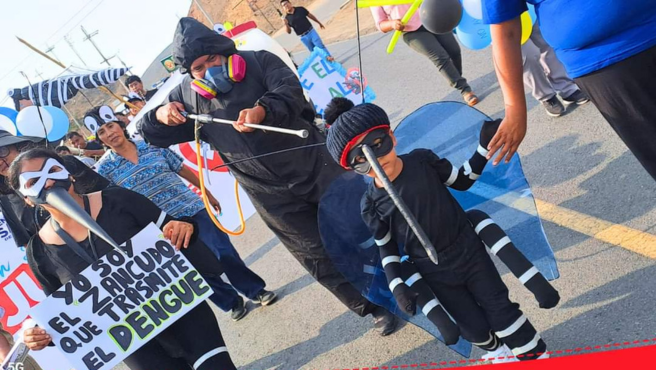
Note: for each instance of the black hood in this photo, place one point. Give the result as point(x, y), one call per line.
point(193, 40)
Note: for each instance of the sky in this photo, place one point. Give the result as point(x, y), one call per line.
point(136, 30)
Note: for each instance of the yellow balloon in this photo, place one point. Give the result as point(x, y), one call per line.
point(397, 34)
point(527, 26)
point(368, 3)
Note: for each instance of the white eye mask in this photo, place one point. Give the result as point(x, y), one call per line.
point(42, 176)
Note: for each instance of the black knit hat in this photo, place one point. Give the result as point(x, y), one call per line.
point(350, 126)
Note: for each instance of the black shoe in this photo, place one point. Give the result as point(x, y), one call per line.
point(239, 309)
point(384, 321)
point(578, 98)
point(554, 107)
point(265, 297)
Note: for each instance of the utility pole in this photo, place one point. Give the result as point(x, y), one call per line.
point(70, 43)
point(50, 49)
point(39, 74)
point(121, 60)
point(253, 5)
point(89, 38)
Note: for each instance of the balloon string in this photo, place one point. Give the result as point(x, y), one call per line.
point(357, 25)
point(267, 154)
point(38, 108)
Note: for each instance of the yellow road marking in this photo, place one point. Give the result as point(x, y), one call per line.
point(623, 236)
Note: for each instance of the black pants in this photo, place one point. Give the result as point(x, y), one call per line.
point(197, 338)
point(293, 219)
point(625, 94)
point(444, 51)
point(210, 268)
point(469, 287)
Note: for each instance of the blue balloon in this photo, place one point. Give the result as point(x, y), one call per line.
point(473, 33)
point(474, 41)
point(8, 112)
point(60, 123)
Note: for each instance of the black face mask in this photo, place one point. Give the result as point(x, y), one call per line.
point(380, 143)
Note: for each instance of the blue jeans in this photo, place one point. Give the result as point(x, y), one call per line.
point(243, 279)
point(312, 39)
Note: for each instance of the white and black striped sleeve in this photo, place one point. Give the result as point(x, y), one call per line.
point(390, 257)
point(464, 177)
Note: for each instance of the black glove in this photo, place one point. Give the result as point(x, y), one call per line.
point(406, 299)
point(488, 131)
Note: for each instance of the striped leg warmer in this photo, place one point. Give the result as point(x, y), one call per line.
point(500, 245)
point(429, 304)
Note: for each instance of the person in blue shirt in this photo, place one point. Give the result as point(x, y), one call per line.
point(153, 172)
point(608, 48)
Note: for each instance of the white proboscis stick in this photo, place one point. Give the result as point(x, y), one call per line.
point(400, 204)
point(206, 118)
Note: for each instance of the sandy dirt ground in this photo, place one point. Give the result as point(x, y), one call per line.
point(343, 25)
point(263, 12)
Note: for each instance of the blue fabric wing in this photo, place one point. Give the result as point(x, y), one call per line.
point(451, 130)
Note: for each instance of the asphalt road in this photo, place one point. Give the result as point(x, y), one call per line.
point(574, 161)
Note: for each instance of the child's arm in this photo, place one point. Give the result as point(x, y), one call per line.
point(471, 170)
point(389, 255)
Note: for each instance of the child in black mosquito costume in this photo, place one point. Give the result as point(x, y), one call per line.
point(463, 293)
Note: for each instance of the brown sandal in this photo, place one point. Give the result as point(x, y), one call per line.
point(470, 98)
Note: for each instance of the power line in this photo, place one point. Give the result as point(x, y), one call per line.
point(21, 63)
point(70, 19)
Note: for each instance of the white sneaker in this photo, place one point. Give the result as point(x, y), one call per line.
point(500, 355)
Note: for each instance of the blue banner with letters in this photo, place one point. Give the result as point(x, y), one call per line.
point(324, 80)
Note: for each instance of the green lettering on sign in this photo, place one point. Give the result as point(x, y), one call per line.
point(335, 94)
point(316, 67)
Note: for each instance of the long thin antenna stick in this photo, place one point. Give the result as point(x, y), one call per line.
point(357, 25)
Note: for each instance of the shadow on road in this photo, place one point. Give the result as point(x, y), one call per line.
point(564, 157)
point(337, 332)
point(261, 251)
point(620, 192)
point(625, 314)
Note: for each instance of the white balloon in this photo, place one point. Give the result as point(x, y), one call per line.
point(474, 8)
point(7, 125)
point(29, 122)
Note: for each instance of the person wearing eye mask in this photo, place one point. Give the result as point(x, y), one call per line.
point(285, 188)
point(24, 221)
point(462, 294)
point(64, 248)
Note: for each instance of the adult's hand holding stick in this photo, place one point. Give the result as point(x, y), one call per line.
point(206, 118)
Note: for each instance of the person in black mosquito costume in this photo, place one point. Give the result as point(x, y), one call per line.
point(24, 221)
point(284, 188)
point(463, 293)
point(63, 248)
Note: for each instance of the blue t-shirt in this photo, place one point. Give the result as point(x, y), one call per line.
point(587, 35)
point(155, 177)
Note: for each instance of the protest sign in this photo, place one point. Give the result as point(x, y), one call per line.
point(19, 292)
point(324, 80)
point(121, 301)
